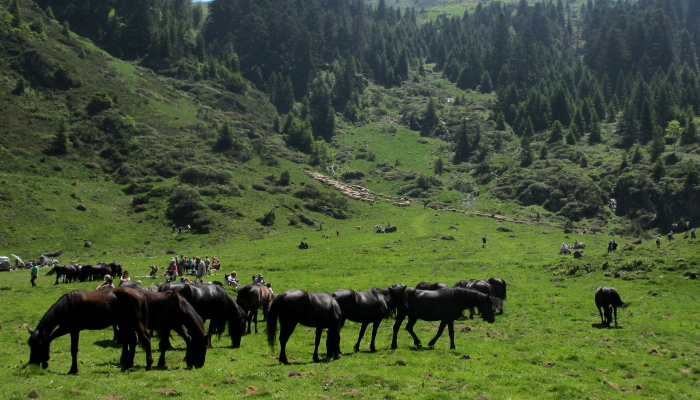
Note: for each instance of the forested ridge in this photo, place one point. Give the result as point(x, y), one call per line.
point(574, 84)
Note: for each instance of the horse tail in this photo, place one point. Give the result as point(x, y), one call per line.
point(272, 315)
point(616, 301)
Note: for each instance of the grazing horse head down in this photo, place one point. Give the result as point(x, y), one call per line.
point(170, 311)
point(79, 310)
point(444, 305)
point(317, 310)
point(607, 300)
point(213, 303)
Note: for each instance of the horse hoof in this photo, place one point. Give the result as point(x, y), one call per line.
point(72, 372)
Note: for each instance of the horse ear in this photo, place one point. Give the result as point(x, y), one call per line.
point(31, 332)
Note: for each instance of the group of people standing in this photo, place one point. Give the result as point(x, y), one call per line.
point(192, 265)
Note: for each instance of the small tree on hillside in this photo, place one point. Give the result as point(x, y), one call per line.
point(430, 118)
point(673, 132)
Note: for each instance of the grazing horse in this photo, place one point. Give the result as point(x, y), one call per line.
point(212, 302)
point(370, 307)
point(498, 288)
point(479, 285)
point(431, 285)
point(102, 309)
point(69, 273)
point(317, 310)
point(170, 311)
point(251, 297)
point(444, 305)
point(608, 300)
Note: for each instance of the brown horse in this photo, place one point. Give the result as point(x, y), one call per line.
point(251, 297)
point(170, 311)
point(102, 309)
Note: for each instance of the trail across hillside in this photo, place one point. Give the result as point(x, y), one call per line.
point(361, 193)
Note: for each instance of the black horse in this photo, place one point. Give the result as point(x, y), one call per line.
point(498, 288)
point(69, 273)
point(479, 285)
point(608, 300)
point(444, 305)
point(169, 311)
point(317, 310)
point(212, 302)
point(251, 297)
point(369, 307)
point(431, 285)
point(102, 309)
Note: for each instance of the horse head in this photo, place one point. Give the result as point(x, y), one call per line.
point(196, 351)
point(486, 309)
point(39, 343)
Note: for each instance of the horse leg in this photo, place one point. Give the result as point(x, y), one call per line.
point(363, 328)
point(161, 360)
point(600, 311)
point(333, 344)
point(128, 349)
point(451, 331)
point(375, 327)
point(432, 341)
point(409, 328)
point(471, 312)
point(397, 326)
point(74, 339)
point(145, 341)
point(255, 320)
point(286, 330)
point(317, 341)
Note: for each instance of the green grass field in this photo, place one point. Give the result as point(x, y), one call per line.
point(547, 344)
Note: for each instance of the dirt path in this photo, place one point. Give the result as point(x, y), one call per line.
point(361, 193)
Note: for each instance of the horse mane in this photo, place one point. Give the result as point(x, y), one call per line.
point(59, 308)
point(195, 324)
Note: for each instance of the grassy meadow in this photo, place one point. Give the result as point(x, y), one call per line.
point(547, 344)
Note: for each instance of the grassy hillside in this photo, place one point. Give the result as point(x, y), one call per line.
point(548, 344)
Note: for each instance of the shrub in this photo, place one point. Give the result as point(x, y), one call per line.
point(100, 101)
point(202, 175)
point(183, 205)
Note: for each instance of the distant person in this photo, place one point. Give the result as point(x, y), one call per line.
point(658, 242)
point(483, 241)
point(35, 274)
point(692, 233)
point(259, 280)
point(207, 262)
point(200, 267)
point(107, 284)
point(124, 278)
point(671, 239)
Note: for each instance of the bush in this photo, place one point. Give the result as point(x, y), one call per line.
point(202, 175)
point(183, 205)
point(309, 191)
point(100, 101)
point(352, 175)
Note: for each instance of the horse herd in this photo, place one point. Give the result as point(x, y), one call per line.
point(184, 308)
point(88, 272)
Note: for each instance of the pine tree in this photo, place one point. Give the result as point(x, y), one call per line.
point(225, 139)
point(430, 118)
